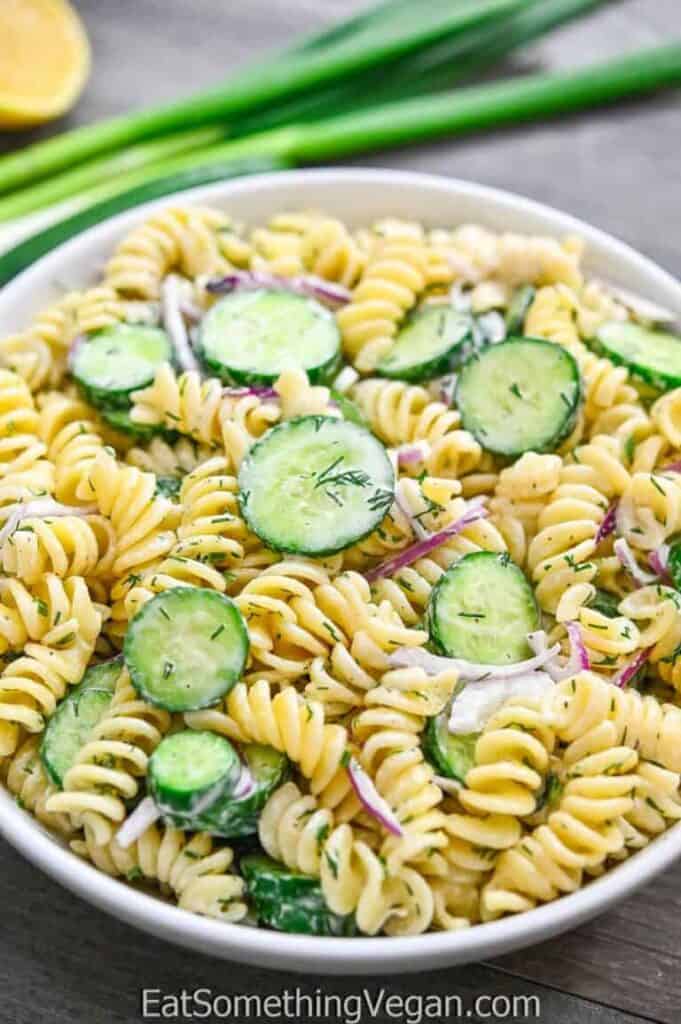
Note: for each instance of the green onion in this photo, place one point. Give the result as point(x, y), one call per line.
point(454, 113)
point(107, 170)
point(393, 31)
point(447, 62)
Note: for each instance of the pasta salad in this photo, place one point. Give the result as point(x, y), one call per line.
point(341, 571)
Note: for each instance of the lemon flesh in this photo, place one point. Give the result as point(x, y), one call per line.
point(44, 61)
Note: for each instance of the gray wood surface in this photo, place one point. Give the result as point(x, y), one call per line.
point(62, 961)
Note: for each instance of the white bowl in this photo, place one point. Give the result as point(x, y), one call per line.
point(359, 197)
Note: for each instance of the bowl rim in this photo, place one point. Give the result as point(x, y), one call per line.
point(301, 953)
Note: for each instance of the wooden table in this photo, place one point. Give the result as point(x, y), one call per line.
point(61, 960)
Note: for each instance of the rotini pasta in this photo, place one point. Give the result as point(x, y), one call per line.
point(415, 747)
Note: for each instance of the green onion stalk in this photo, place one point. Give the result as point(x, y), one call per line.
point(394, 31)
point(452, 113)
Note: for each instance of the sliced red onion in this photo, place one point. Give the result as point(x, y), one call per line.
point(190, 311)
point(447, 389)
point(628, 562)
point(475, 511)
point(74, 349)
point(412, 454)
point(628, 671)
point(418, 657)
point(41, 508)
point(642, 307)
point(460, 298)
point(418, 529)
point(345, 379)
point(492, 326)
point(134, 827)
point(245, 785)
point(609, 523)
point(371, 799)
point(473, 707)
point(447, 785)
point(579, 656)
point(173, 321)
point(658, 560)
point(257, 390)
point(673, 467)
point(251, 280)
point(555, 666)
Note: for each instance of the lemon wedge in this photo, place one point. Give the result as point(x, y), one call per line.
point(44, 60)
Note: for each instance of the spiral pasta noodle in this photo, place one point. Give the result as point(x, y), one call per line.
point(388, 732)
point(580, 833)
point(194, 868)
point(389, 286)
point(586, 704)
point(72, 433)
point(27, 780)
point(352, 876)
point(400, 414)
point(143, 522)
point(184, 239)
point(31, 686)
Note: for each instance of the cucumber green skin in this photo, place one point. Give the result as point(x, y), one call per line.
point(277, 544)
point(450, 359)
point(112, 399)
point(655, 378)
point(291, 902)
point(225, 816)
point(119, 419)
point(233, 819)
point(437, 595)
point(27, 252)
point(518, 308)
point(607, 603)
point(134, 657)
point(90, 700)
point(324, 373)
point(169, 487)
point(674, 565)
point(550, 443)
point(178, 804)
point(452, 756)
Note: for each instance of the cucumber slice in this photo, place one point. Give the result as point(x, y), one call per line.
point(518, 308)
point(434, 341)
point(315, 485)
point(452, 756)
point(652, 356)
point(520, 395)
point(69, 728)
point(291, 902)
point(186, 648)
point(118, 360)
point(482, 609)
point(251, 337)
point(189, 773)
point(193, 777)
